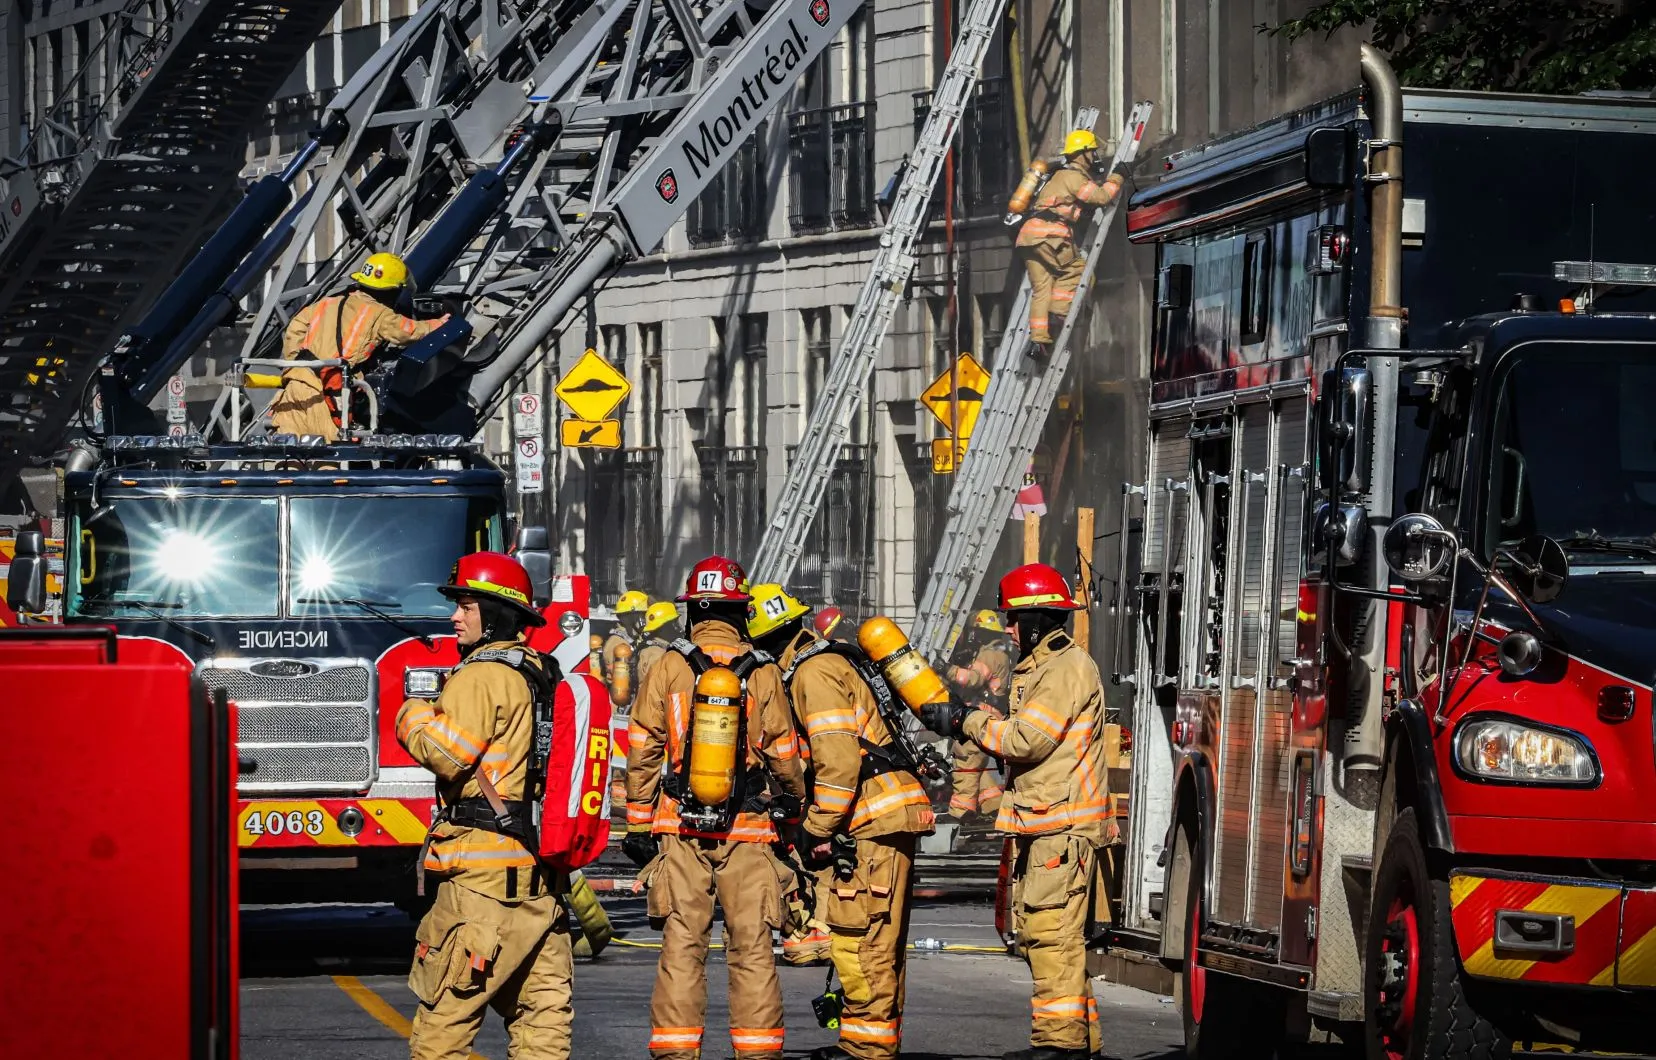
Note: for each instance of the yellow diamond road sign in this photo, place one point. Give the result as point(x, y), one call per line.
point(964, 392)
point(592, 388)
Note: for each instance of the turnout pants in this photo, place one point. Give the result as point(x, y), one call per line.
point(974, 787)
point(1049, 900)
point(474, 953)
point(868, 916)
point(684, 881)
point(1055, 268)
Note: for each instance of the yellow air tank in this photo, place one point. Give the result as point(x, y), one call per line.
point(914, 681)
point(715, 724)
point(620, 678)
point(1024, 196)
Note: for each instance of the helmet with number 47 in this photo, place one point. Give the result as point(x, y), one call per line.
point(716, 579)
point(771, 609)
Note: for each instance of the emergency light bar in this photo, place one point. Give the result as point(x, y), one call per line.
point(1605, 272)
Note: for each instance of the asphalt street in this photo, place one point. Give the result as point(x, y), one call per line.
point(326, 982)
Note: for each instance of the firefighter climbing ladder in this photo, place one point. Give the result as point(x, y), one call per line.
point(1021, 393)
point(831, 420)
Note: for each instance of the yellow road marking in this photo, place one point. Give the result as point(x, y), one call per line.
point(378, 1007)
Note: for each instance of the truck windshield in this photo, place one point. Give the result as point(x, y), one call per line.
point(349, 556)
point(179, 556)
point(1574, 451)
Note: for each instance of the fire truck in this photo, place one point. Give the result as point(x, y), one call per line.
point(1388, 635)
point(309, 597)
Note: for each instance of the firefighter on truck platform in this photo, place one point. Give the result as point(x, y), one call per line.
point(1057, 807)
point(351, 326)
point(857, 791)
point(982, 681)
point(1046, 241)
point(497, 935)
point(715, 714)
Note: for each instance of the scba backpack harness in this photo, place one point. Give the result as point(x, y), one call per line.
point(564, 817)
point(902, 754)
point(747, 787)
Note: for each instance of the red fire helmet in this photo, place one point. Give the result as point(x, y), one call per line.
point(827, 620)
point(1036, 585)
point(493, 576)
point(716, 578)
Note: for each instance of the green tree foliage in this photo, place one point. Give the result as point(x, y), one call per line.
point(1549, 46)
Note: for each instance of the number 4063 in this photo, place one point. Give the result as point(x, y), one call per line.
point(293, 822)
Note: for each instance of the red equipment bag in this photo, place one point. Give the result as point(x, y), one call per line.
point(573, 815)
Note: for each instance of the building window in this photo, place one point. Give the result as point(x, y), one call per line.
point(991, 322)
point(745, 396)
point(648, 406)
point(735, 206)
point(732, 453)
point(831, 168)
point(612, 340)
point(815, 330)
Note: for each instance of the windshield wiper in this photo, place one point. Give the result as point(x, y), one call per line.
point(1593, 541)
point(373, 607)
point(153, 608)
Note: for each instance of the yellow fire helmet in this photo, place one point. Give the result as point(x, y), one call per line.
point(1080, 140)
point(771, 609)
point(382, 272)
point(988, 620)
point(632, 600)
point(659, 615)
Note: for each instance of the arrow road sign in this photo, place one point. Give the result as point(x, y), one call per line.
point(592, 388)
point(580, 434)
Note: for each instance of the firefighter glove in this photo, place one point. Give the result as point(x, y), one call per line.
point(945, 719)
point(640, 847)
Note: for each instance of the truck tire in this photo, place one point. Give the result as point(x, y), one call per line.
point(1414, 992)
point(1224, 1016)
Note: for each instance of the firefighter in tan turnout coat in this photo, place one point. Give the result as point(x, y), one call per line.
point(497, 934)
point(981, 682)
point(1046, 241)
point(690, 854)
point(858, 790)
point(1056, 806)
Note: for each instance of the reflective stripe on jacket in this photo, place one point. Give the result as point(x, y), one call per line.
point(1061, 202)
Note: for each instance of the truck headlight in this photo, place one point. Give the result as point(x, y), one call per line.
point(1502, 749)
point(422, 684)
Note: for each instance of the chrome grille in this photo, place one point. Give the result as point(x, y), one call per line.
point(343, 684)
point(314, 733)
point(300, 723)
point(308, 767)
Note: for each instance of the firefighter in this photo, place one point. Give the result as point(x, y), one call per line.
point(661, 627)
point(351, 325)
point(1046, 241)
point(982, 681)
point(690, 853)
point(620, 670)
point(859, 790)
point(497, 935)
point(1052, 740)
point(829, 624)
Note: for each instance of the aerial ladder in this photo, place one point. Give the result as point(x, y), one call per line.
point(114, 189)
point(831, 421)
point(631, 109)
point(1022, 390)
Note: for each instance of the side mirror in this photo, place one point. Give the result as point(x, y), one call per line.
point(1349, 421)
point(1537, 567)
point(1342, 530)
point(1328, 154)
point(534, 551)
point(26, 584)
point(1417, 548)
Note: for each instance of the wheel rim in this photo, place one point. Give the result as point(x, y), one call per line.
point(1399, 976)
point(1195, 974)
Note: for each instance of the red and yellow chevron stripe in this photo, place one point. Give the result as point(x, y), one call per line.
point(315, 823)
point(1615, 931)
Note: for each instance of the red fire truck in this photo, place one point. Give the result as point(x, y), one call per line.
point(124, 884)
point(1389, 640)
point(309, 597)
